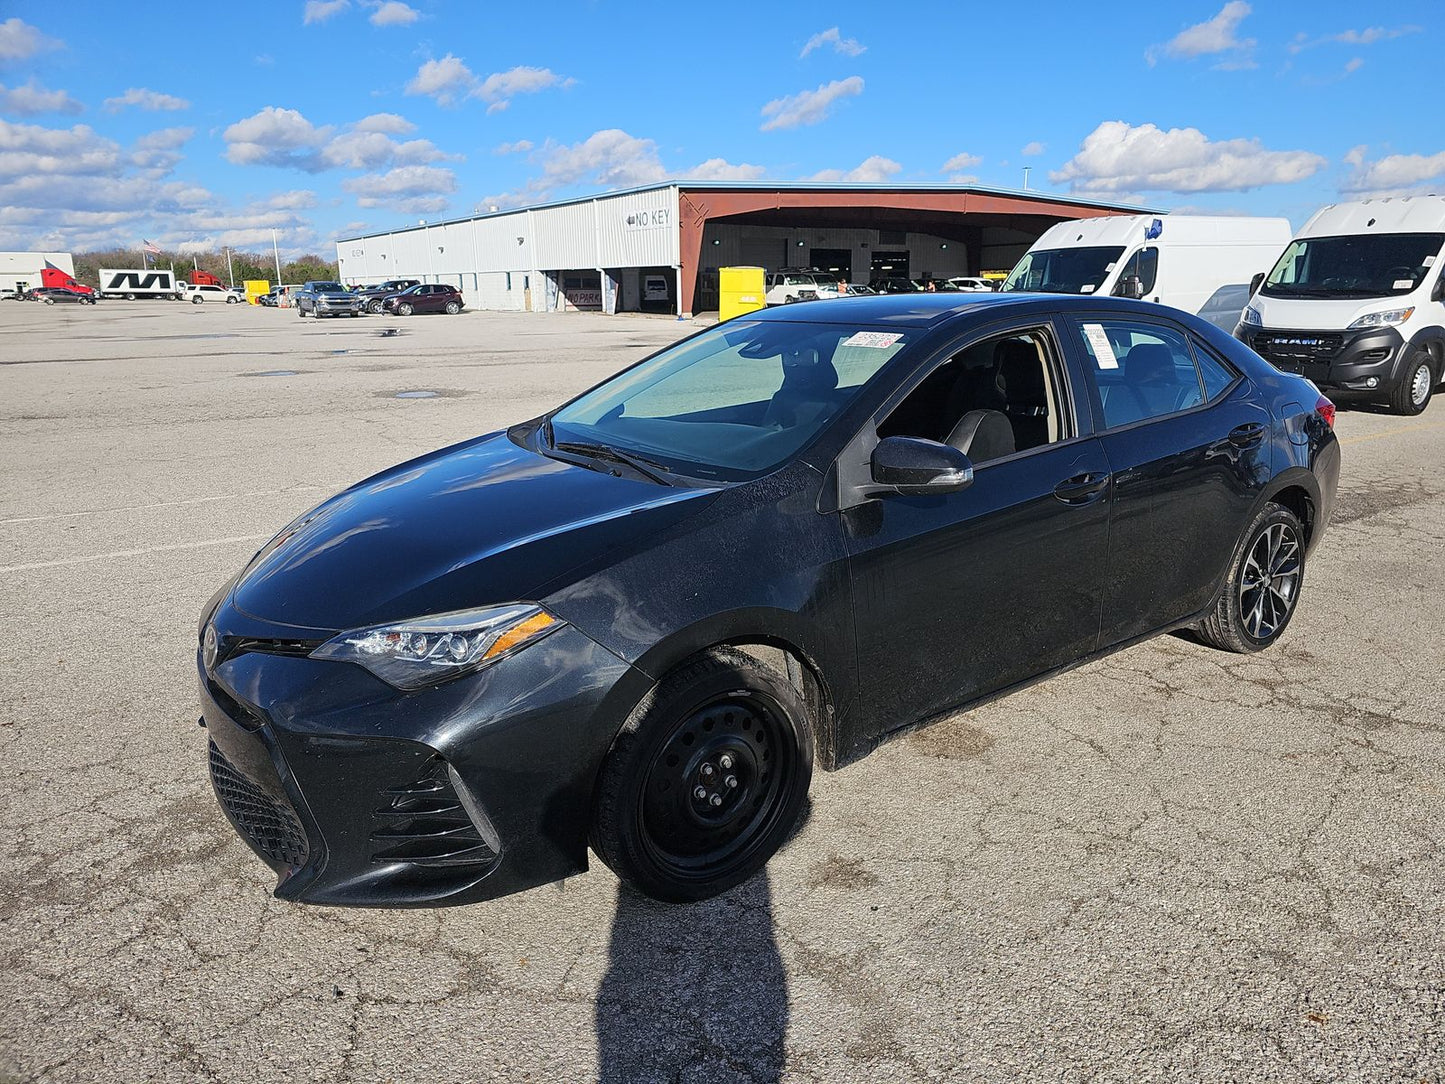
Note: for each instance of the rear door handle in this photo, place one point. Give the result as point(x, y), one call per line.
point(1247, 435)
point(1082, 488)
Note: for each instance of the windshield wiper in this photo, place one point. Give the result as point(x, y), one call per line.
point(648, 468)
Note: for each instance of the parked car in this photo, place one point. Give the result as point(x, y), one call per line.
point(970, 284)
point(427, 297)
point(326, 299)
point(373, 296)
point(52, 295)
point(209, 292)
point(637, 621)
point(895, 286)
point(799, 284)
point(857, 289)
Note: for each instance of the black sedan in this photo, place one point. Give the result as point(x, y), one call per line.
point(435, 297)
point(60, 295)
point(638, 621)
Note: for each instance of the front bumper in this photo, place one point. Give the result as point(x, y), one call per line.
point(357, 794)
point(1365, 361)
point(336, 308)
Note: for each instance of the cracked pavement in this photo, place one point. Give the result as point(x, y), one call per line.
point(1170, 864)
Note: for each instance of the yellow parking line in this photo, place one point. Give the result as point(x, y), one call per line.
point(1391, 432)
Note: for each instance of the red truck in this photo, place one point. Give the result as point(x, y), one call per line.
point(198, 277)
point(50, 275)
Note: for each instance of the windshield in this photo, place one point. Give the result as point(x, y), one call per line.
point(1063, 270)
point(1354, 266)
point(734, 402)
point(328, 287)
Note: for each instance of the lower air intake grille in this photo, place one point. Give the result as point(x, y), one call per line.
point(272, 829)
point(427, 823)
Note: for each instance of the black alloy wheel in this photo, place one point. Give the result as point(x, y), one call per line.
point(706, 780)
point(1264, 584)
point(1412, 394)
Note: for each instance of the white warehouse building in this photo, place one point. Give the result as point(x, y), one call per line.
point(657, 248)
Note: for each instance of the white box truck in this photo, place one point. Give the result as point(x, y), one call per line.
point(1356, 302)
point(1202, 264)
point(133, 282)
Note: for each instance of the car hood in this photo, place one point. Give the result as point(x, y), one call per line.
point(480, 523)
point(1321, 314)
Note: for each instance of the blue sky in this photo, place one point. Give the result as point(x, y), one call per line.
point(209, 124)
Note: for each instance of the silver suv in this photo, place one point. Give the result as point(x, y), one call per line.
point(326, 299)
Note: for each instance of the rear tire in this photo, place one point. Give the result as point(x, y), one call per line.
point(453, 308)
point(706, 779)
point(1262, 590)
point(1412, 394)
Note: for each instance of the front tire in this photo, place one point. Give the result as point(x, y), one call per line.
point(706, 779)
point(374, 308)
point(1412, 394)
point(1263, 588)
point(404, 309)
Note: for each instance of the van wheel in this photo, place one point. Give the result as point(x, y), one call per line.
point(131, 297)
point(1412, 394)
point(706, 779)
point(1263, 587)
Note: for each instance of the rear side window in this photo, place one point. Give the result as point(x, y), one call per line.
point(1213, 372)
point(1143, 370)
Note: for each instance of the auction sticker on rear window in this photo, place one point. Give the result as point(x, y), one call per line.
point(878, 340)
point(1099, 342)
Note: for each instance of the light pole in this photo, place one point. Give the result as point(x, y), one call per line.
point(1026, 177)
point(230, 271)
point(276, 253)
point(426, 241)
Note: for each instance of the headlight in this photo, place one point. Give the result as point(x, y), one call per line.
point(1383, 319)
point(430, 650)
point(1251, 316)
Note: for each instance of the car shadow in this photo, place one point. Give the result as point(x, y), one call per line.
point(694, 992)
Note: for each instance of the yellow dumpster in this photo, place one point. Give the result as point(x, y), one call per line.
point(255, 288)
point(740, 290)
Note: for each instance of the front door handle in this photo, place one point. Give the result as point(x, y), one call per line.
point(1247, 435)
point(1082, 488)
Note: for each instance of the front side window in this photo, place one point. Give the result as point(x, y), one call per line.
point(990, 400)
point(734, 402)
point(1353, 266)
point(1063, 270)
point(1142, 370)
point(1144, 265)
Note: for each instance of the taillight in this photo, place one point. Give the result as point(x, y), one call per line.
point(1326, 410)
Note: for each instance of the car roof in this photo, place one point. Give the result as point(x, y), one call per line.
point(926, 310)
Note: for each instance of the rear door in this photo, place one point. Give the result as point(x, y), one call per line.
point(1189, 450)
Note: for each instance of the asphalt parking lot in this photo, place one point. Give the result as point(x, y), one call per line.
point(1172, 864)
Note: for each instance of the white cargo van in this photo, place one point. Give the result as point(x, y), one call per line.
point(1357, 303)
point(1202, 264)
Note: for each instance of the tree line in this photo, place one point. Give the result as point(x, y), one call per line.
point(246, 265)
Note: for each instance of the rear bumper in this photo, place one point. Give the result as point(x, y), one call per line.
point(1339, 360)
point(356, 794)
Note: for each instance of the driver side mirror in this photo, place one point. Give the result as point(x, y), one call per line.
point(1131, 286)
point(912, 466)
point(1438, 294)
point(1255, 283)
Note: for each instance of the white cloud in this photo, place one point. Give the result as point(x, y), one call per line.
point(1393, 175)
point(960, 161)
point(20, 41)
point(142, 98)
point(720, 169)
point(406, 189)
point(610, 158)
point(809, 106)
point(318, 11)
point(158, 153)
point(32, 99)
point(446, 80)
point(1353, 65)
point(499, 88)
point(840, 44)
point(521, 146)
point(1033, 149)
point(394, 13)
point(449, 80)
point(1368, 36)
point(874, 169)
point(285, 138)
point(1118, 158)
point(1213, 36)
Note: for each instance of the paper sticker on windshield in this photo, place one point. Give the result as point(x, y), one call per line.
point(878, 340)
point(1403, 284)
point(1103, 350)
point(1087, 288)
point(1429, 261)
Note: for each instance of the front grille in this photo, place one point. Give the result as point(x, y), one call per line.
point(427, 823)
point(1298, 346)
point(270, 827)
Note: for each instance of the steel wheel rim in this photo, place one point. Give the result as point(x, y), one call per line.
point(694, 822)
point(1420, 385)
point(1269, 580)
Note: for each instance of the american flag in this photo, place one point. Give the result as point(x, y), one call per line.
point(150, 246)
